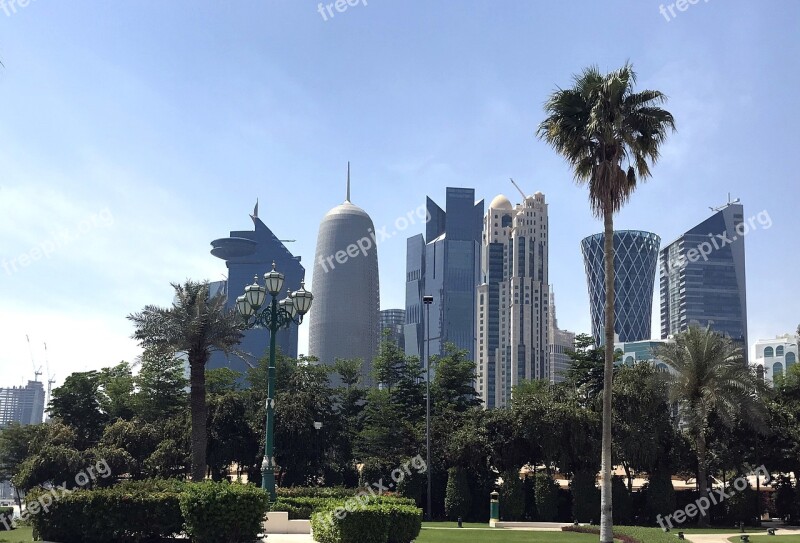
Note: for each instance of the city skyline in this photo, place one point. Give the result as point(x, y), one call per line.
point(115, 189)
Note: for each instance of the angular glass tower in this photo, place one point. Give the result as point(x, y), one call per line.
point(249, 253)
point(636, 256)
point(703, 278)
point(345, 319)
point(447, 267)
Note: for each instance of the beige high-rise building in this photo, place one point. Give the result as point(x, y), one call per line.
point(561, 342)
point(513, 298)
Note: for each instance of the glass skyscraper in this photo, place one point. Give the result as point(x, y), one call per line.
point(636, 256)
point(24, 405)
point(394, 320)
point(247, 254)
point(444, 264)
point(703, 278)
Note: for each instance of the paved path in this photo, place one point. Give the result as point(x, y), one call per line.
point(723, 538)
point(289, 538)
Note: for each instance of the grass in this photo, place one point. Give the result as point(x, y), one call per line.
point(495, 535)
point(718, 530)
point(23, 534)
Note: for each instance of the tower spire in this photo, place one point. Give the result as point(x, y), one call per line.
point(347, 199)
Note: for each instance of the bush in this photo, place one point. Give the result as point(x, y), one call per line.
point(585, 497)
point(512, 497)
point(223, 512)
point(303, 508)
point(6, 515)
point(316, 492)
point(785, 499)
point(546, 492)
point(659, 496)
point(378, 523)
point(457, 500)
point(621, 500)
point(130, 511)
point(742, 506)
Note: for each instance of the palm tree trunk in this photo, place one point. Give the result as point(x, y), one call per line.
point(606, 525)
point(702, 476)
point(197, 401)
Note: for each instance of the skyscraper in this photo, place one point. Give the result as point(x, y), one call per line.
point(345, 318)
point(512, 302)
point(703, 277)
point(394, 321)
point(247, 254)
point(636, 256)
point(561, 341)
point(445, 265)
point(24, 405)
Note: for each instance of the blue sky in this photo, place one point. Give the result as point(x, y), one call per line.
point(134, 133)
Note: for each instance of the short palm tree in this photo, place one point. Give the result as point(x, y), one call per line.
point(609, 135)
point(708, 375)
point(196, 325)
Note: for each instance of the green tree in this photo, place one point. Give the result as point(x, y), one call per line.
point(196, 325)
point(389, 365)
point(599, 125)
point(710, 376)
point(116, 391)
point(457, 501)
point(161, 386)
point(77, 404)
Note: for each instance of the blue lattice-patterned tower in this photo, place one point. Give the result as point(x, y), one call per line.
point(636, 257)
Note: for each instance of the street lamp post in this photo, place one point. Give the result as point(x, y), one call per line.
point(428, 300)
point(273, 317)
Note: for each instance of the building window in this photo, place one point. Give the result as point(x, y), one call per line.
point(768, 352)
point(779, 350)
point(777, 369)
point(790, 359)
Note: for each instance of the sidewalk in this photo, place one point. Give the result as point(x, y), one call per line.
point(289, 538)
point(723, 538)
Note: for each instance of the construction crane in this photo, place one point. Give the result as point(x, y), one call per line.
point(36, 372)
point(51, 379)
point(520, 190)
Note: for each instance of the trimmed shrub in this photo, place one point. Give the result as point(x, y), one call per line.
point(659, 496)
point(585, 497)
point(6, 514)
point(223, 512)
point(457, 500)
point(303, 508)
point(130, 511)
point(512, 497)
point(379, 523)
point(316, 492)
point(621, 500)
point(786, 499)
point(546, 492)
point(742, 506)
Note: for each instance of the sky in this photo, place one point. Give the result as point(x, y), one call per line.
point(134, 133)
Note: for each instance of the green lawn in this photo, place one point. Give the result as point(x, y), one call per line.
point(723, 530)
point(765, 538)
point(494, 535)
point(20, 535)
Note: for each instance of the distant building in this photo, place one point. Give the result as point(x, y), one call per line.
point(774, 357)
point(633, 352)
point(561, 342)
point(513, 298)
point(248, 254)
point(703, 278)
point(636, 256)
point(394, 320)
point(344, 320)
point(24, 405)
point(445, 265)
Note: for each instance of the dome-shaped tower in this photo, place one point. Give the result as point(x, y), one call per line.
point(345, 321)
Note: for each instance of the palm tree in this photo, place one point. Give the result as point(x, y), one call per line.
point(600, 126)
point(196, 325)
point(708, 375)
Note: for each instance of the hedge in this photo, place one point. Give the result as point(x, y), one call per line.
point(223, 512)
point(376, 523)
point(153, 509)
point(546, 492)
point(6, 515)
point(457, 499)
point(316, 492)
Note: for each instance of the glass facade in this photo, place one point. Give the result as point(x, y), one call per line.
point(703, 278)
point(394, 321)
point(635, 260)
point(24, 405)
point(446, 266)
